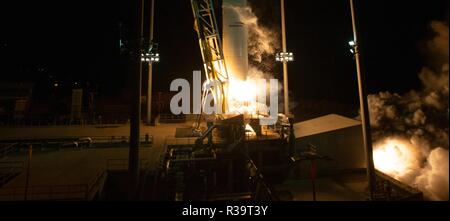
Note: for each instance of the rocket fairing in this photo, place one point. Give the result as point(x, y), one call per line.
point(235, 39)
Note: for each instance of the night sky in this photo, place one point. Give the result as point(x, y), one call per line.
point(78, 41)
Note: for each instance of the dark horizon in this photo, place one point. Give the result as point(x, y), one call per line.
point(79, 42)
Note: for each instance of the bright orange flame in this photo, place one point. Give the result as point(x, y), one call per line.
point(396, 157)
point(249, 130)
point(242, 97)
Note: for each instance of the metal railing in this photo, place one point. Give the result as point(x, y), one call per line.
point(96, 185)
point(62, 192)
point(148, 139)
point(55, 192)
point(392, 189)
point(122, 164)
point(61, 123)
point(9, 170)
point(7, 149)
point(173, 141)
point(65, 141)
point(170, 118)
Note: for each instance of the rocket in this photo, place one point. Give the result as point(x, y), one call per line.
point(235, 39)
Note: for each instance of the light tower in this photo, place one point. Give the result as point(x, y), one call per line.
point(365, 119)
point(151, 56)
point(135, 115)
point(285, 57)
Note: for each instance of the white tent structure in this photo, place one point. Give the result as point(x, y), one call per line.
point(334, 136)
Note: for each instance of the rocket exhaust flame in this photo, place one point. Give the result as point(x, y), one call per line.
point(396, 157)
point(404, 161)
point(411, 130)
point(242, 97)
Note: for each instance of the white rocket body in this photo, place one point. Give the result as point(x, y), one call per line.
point(235, 40)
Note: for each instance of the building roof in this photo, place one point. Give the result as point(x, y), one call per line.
point(323, 124)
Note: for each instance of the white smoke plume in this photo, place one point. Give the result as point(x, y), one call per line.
point(262, 41)
point(418, 121)
point(433, 180)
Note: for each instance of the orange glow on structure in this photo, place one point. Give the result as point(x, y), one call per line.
point(396, 157)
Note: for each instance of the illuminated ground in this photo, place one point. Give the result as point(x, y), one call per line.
point(73, 166)
point(79, 131)
point(70, 167)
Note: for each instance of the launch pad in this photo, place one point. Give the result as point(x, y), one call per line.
point(220, 164)
point(228, 156)
point(244, 166)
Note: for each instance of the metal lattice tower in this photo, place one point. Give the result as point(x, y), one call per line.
point(212, 51)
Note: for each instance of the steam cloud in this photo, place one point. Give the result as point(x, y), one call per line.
point(421, 118)
point(262, 43)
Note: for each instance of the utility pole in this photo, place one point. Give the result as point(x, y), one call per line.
point(136, 72)
point(313, 171)
point(150, 66)
point(365, 119)
point(27, 179)
point(285, 66)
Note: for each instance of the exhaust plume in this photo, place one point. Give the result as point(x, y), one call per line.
point(263, 42)
point(410, 131)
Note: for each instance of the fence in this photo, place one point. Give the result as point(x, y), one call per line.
point(402, 192)
point(62, 142)
point(7, 149)
point(9, 170)
point(173, 141)
point(171, 119)
point(122, 164)
point(55, 123)
point(55, 192)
